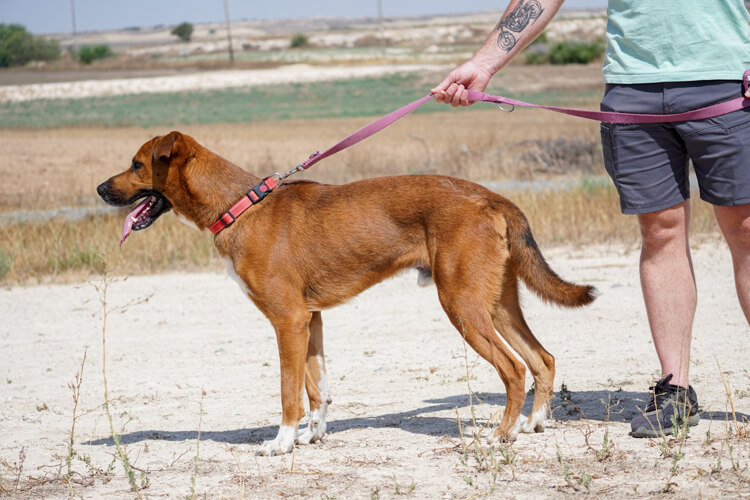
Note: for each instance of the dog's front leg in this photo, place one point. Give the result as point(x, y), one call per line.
point(316, 384)
point(292, 334)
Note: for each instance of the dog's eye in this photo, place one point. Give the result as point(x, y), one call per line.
point(136, 165)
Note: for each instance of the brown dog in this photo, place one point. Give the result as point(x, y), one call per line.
point(308, 246)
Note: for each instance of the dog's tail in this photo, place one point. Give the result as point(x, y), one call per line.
point(534, 270)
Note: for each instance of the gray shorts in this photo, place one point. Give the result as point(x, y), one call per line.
point(649, 163)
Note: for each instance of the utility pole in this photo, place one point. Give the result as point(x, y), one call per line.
point(381, 33)
point(229, 32)
point(73, 15)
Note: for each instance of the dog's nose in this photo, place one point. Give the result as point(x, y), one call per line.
point(102, 188)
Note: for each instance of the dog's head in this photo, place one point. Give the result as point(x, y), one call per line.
point(153, 176)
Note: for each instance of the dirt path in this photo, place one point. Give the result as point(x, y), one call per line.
point(207, 80)
point(398, 375)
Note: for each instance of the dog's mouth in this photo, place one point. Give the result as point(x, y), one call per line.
point(143, 215)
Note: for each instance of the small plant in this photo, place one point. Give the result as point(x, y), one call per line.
point(90, 53)
point(75, 388)
point(565, 393)
point(299, 40)
point(566, 467)
point(183, 31)
point(6, 263)
point(567, 396)
point(585, 480)
point(194, 477)
point(102, 290)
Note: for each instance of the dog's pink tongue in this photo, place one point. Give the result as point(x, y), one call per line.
point(132, 217)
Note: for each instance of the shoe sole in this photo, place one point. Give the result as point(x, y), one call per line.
point(643, 432)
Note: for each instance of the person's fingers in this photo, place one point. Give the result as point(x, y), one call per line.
point(440, 91)
point(459, 95)
point(464, 98)
point(440, 87)
point(450, 92)
point(439, 95)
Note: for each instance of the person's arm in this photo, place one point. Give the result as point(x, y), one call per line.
point(521, 23)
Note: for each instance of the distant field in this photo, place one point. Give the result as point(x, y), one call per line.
point(336, 99)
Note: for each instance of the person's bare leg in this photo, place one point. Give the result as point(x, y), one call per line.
point(668, 285)
point(735, 224)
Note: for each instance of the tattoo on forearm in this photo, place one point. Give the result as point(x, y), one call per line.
point(526, 12)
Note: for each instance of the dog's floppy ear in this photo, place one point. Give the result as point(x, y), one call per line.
point(164, 145)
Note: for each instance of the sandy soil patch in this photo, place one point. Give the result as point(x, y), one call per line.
point(297, 73)
point(398, 375)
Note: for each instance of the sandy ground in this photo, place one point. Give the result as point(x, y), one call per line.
point(297, 73)
point(398, 375)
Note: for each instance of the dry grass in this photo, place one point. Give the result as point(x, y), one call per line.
point(62, 167)
point(63, 250)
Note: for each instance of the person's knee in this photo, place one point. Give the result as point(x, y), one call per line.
point(736, 226)
point(662, 229)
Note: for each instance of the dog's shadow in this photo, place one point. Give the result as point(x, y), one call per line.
point(601, 406)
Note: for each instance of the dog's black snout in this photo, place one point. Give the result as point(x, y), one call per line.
point(103, 188)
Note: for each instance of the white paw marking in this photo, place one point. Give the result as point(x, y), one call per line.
point(283, 443)
point(516, 428)
point(236, 277)
point(510, 436)
point(536, 421)
point(316, 428)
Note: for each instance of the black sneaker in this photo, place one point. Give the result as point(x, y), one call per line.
point(670, 405)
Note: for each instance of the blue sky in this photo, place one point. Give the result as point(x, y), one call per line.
point(54, 16)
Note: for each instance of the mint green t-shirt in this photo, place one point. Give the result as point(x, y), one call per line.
point(651, 41)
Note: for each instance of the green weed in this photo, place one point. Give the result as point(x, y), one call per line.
point(335, 99)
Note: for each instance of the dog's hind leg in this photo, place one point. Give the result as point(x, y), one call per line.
point(316, 384)
point(510, 323)
point(292, 335)
point(475, 325)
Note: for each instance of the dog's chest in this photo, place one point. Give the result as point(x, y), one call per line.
point(236, 277)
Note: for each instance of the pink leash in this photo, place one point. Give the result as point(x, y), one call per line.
point(268, 184)
point(602, 116)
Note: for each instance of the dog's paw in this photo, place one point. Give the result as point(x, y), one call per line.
point(283, 443)
point(312, 433)
point(536, 421)
point(496, 439)
point(316, 429)
point(508, 434)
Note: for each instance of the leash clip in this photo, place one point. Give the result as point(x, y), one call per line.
point(501, 108)
point(299, 168)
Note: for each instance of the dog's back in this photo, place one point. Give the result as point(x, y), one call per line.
point(392, 223)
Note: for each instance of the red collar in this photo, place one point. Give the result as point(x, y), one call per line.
point(252, 197)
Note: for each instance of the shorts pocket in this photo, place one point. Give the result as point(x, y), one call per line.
point(609, 152)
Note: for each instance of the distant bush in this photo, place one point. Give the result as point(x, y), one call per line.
point(567, 52)
point(90, 53)
point(537, 57)
point(19, 47)
point(299, 40)
point(371, 41)
point(575, 52)
point(183, 31)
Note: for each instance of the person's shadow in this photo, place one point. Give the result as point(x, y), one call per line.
point(601, 406)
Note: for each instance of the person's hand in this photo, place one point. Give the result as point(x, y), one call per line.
point(454, 89)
